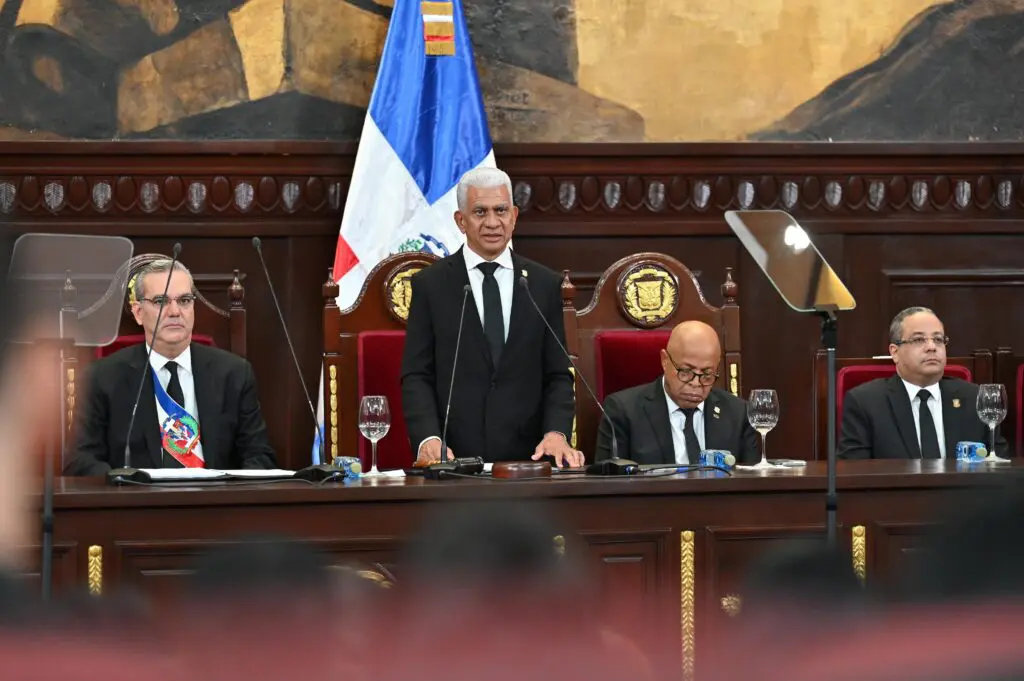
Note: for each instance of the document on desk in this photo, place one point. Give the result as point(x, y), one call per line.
point(193, 474)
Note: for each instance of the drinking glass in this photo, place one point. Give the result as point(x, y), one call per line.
point(763, 414)
point(991, 404)
point(374, 423)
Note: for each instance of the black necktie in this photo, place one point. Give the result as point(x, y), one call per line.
point(494, 319)
point(929, 438)
point(690, 436)
point(174, 386)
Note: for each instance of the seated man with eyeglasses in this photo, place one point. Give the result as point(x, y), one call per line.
point(918, 413)
point(680, 414)
point(199, 407)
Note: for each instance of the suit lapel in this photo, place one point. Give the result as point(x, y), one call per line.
point(458, 279)
point(656, 410)
point(951, 415)
point(900, 403)
point(208, 403)
point(712, 423)
point(146, 429)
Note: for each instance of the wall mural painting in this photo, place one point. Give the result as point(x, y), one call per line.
point(551, 70)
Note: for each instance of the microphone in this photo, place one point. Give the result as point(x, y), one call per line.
point(436, 471)
point(621, 463)
point(322, 471)
point(126, 473)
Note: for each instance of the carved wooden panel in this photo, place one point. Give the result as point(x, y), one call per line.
point(629, 569)
point(161, 568)
point(68, 564)
point(893, 548)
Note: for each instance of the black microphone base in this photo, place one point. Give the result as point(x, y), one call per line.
point(320, 472)
point(127, 476)
point(614, 467)
point(470, 465)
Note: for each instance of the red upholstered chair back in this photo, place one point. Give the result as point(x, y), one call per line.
point(380, 373)
point(1010, 372)
point(363, 347)
point(854, 371)
point(636, 303)
point(624, 359)
point(122, 342)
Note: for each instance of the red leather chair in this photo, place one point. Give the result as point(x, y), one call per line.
point(1010, 372)
point(618, 337)
point(380, 364)
point(122, 342)
point(363, 347)
point(624, 359)
point(854, 371)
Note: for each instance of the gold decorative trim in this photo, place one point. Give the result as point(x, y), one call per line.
point(648, 294)
point(734, 383)
point(69, 399)
point(398, 290)
point(572, 440)
point(333, 371)
point(95, 570)
point(732, 604)
point(859, 549)
point(687, 600)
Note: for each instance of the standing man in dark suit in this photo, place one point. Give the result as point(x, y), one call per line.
point(513, 393)
point(201, 412)
point(918, 413)
point(674, 418)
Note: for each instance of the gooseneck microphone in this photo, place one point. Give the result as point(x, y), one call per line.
point(126, 473)
point(436, 471)
point(604, 415)
point(323, 470)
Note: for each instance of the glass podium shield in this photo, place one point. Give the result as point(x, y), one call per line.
point(804, 279)
point(71, 288)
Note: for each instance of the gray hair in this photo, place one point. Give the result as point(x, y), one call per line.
point(156, 267)
point(896, 327)
point(482, 178)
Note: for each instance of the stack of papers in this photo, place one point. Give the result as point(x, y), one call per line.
point(186, 474)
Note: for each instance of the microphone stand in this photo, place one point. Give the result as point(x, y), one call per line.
point(829, 342)
point(436, 471)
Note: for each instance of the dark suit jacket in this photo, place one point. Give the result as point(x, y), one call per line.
point(231, 426)
point(878, 421)
point(498, 413)
point(643, 431)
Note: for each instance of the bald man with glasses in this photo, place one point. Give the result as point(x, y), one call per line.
point(681, 413)
point(919, 413)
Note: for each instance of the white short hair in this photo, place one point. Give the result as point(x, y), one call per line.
point(482, 178)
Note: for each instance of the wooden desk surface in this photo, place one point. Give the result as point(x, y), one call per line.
point(653, 543)
point(72, 493)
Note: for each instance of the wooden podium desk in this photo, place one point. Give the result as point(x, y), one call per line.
point(673, 545)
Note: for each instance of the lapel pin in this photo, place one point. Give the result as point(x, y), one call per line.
point(717, 412)
point(956, 403)
point(525, 273)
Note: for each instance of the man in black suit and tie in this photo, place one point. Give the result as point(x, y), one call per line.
point(201, 412)
point(513, 392)
point(674, 418)
point(918, 413)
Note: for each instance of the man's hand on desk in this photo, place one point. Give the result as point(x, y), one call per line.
point(556, 446)
point(430, 452)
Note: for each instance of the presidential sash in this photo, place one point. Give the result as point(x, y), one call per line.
point(179, 432)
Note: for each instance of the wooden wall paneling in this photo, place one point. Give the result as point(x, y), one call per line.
point(944, 220)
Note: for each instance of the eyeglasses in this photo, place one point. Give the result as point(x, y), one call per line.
point(184, 301)
point(921, 341)
point(686, 374)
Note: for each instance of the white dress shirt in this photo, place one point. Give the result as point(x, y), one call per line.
point(678, 420)
point(188, 386)
point(934, 406)
point(504, 275)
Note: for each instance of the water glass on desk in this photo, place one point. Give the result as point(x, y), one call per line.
point(763, 414)
point(991, 404)
point(374, 423)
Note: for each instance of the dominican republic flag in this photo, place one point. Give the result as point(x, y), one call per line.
point(425, 128)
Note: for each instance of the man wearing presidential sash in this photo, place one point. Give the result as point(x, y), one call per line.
point(199, 407)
